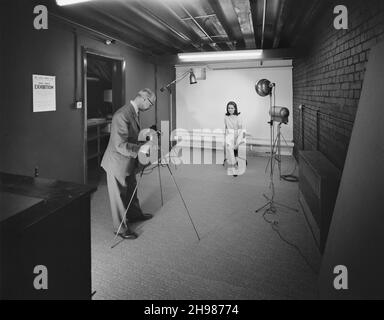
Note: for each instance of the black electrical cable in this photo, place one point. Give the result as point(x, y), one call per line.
point(291, 177)
point(275, 228)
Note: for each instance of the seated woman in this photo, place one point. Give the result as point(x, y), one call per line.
point(233, 137)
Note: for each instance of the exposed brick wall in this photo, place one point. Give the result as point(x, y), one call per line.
point(329, 77)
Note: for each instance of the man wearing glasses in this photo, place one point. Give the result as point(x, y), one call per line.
point(120, 161)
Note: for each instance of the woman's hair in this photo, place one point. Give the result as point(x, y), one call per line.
point(236, 113)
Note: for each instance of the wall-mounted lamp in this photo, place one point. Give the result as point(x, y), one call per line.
point(192, 80)
point(192, 77)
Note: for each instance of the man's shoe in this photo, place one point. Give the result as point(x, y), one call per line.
point(128, 234)
point(145, 216)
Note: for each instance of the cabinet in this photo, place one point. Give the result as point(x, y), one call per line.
point(98, 132)
point(318, 186)
point(44, 222)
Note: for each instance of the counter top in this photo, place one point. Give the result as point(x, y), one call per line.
point(26, 200)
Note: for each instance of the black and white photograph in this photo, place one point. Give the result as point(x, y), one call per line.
point(191, 156)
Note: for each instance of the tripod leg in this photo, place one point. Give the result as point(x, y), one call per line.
point(279, 148)
point(161, 187)
point(284, 139)
point(261, 208)
point(126, 210)
point(273, 152)
point(185, 206)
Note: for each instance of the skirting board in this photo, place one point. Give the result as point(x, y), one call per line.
point(201, 139)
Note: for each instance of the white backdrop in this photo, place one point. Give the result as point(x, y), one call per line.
point(203, 105)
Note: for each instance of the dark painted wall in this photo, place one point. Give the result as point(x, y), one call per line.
point(3, 22)
point(53, 141)
point(329, 77)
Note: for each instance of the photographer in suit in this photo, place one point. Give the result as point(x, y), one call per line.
point(120, 161)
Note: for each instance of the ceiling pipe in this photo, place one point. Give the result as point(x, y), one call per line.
point(197, 24)
point(202, 17)
point(163, 44)
point(281, 17)
point(162, 22)
point(170, 28)
point(263, 29)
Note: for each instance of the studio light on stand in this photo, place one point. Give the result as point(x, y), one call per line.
point(192, 80)
point(279, 115)
point(192, 77)
point(265, 88)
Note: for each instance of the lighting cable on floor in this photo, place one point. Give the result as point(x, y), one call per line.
point(274, 225)
point(291, 177)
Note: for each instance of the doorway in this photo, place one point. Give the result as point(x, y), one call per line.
point(104, 93)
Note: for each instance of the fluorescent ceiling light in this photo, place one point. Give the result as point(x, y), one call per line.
point(68, 2)
point(221, 55)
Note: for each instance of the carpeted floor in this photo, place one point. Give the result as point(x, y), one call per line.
point(239, 256)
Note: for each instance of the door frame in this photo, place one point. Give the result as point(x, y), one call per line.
point(85, 52)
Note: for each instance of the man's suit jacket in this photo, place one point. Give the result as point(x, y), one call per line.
point(120, 157)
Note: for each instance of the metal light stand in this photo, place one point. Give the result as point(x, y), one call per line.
point(277, 146)
point(271, 204)
point(168, 87)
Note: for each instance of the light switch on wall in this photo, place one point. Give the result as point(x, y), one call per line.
point(79, 104)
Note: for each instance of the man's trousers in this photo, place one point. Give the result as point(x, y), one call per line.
point(120, 192)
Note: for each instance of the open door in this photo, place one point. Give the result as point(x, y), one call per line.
point(104, 93)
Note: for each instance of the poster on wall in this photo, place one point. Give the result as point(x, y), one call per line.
point(44, 93)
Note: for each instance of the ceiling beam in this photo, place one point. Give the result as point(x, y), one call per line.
point(254, 10)
point(99, 34)
point(301, 29)
point(280, 22)
point(199, 25)
point(131, 31)
point(227, 16)
point(170, 7)
point(243, 10)
point(264, 22)
point(154, 29)
point(171, 22)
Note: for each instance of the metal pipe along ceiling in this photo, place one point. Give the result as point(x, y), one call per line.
point(263, 29)
point(195, 22)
